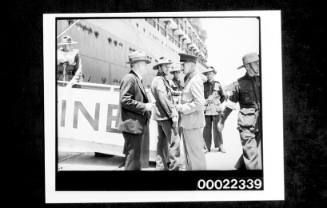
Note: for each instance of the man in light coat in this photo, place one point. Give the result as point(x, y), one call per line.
point(192, 114)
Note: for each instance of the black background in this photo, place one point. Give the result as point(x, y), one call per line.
point(304, 64)
point(148, 180)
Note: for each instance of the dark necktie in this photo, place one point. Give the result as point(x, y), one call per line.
point(142, 84)
point(143, 88)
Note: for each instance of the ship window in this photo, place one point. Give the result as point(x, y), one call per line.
point(115, 42)
point(109, 40)
point(143, 29)
point(120, 44)
point(96, 34)
point(103, 80)
point(70, 21)
point(137, 24)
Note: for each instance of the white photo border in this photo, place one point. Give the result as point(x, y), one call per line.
point(272, 118)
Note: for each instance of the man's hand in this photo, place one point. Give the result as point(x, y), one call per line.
point(175, 127)
point(225, 114)
point(179, 107)
point(175, 124)
point(148, 106)
point(220, 126)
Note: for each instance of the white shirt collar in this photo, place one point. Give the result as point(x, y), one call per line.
point(140, 77)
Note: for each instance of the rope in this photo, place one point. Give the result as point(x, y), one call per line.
point(58, 36)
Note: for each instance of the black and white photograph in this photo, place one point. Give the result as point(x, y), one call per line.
point(150, 103)
point(133, 74)
point(154, 103)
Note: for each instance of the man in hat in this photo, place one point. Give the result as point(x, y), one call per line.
point(168, 151)
point(192, 114)
point(135, 109)
point(214, 95)
point(176, 83)
point(177, 86)
point(69, 64)
point(246, 91)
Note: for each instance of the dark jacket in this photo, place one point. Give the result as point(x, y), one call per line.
point(246, 91)
point(132, 99)
point(209, 87)
point(213, 102)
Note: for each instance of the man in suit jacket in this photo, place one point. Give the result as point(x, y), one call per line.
point(135, 109)
point(192, 114)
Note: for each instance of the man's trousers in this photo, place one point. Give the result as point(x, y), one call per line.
point(168, 147)
point(211, 125)
point(193, 143)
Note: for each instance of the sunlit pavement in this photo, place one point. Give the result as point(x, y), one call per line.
point(215, 160)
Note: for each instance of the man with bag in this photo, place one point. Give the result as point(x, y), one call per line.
point(246, 91)
point(168, 146)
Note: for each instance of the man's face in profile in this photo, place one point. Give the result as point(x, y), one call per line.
point(252, 69)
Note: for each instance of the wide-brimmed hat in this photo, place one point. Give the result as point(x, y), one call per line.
point(209, 69)
point(187, 58)
point(67, 40)
point(161, 61)
point(137, 56)
point(249, 58)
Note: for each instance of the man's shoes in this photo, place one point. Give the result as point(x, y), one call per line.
point(205, 149)
point(222, 149)
point(215, 149)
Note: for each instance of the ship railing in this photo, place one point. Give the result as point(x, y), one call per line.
point(196, 49)
point(179, 31)
point(172, 24)
point(187, 39)
point(92, 86)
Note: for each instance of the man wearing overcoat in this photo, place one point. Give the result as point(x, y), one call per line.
point(135, 109)
point(166, 115)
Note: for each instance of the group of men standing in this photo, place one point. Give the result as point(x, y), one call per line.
point(188, 109)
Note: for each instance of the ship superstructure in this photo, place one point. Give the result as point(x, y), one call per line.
point(104, 44)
